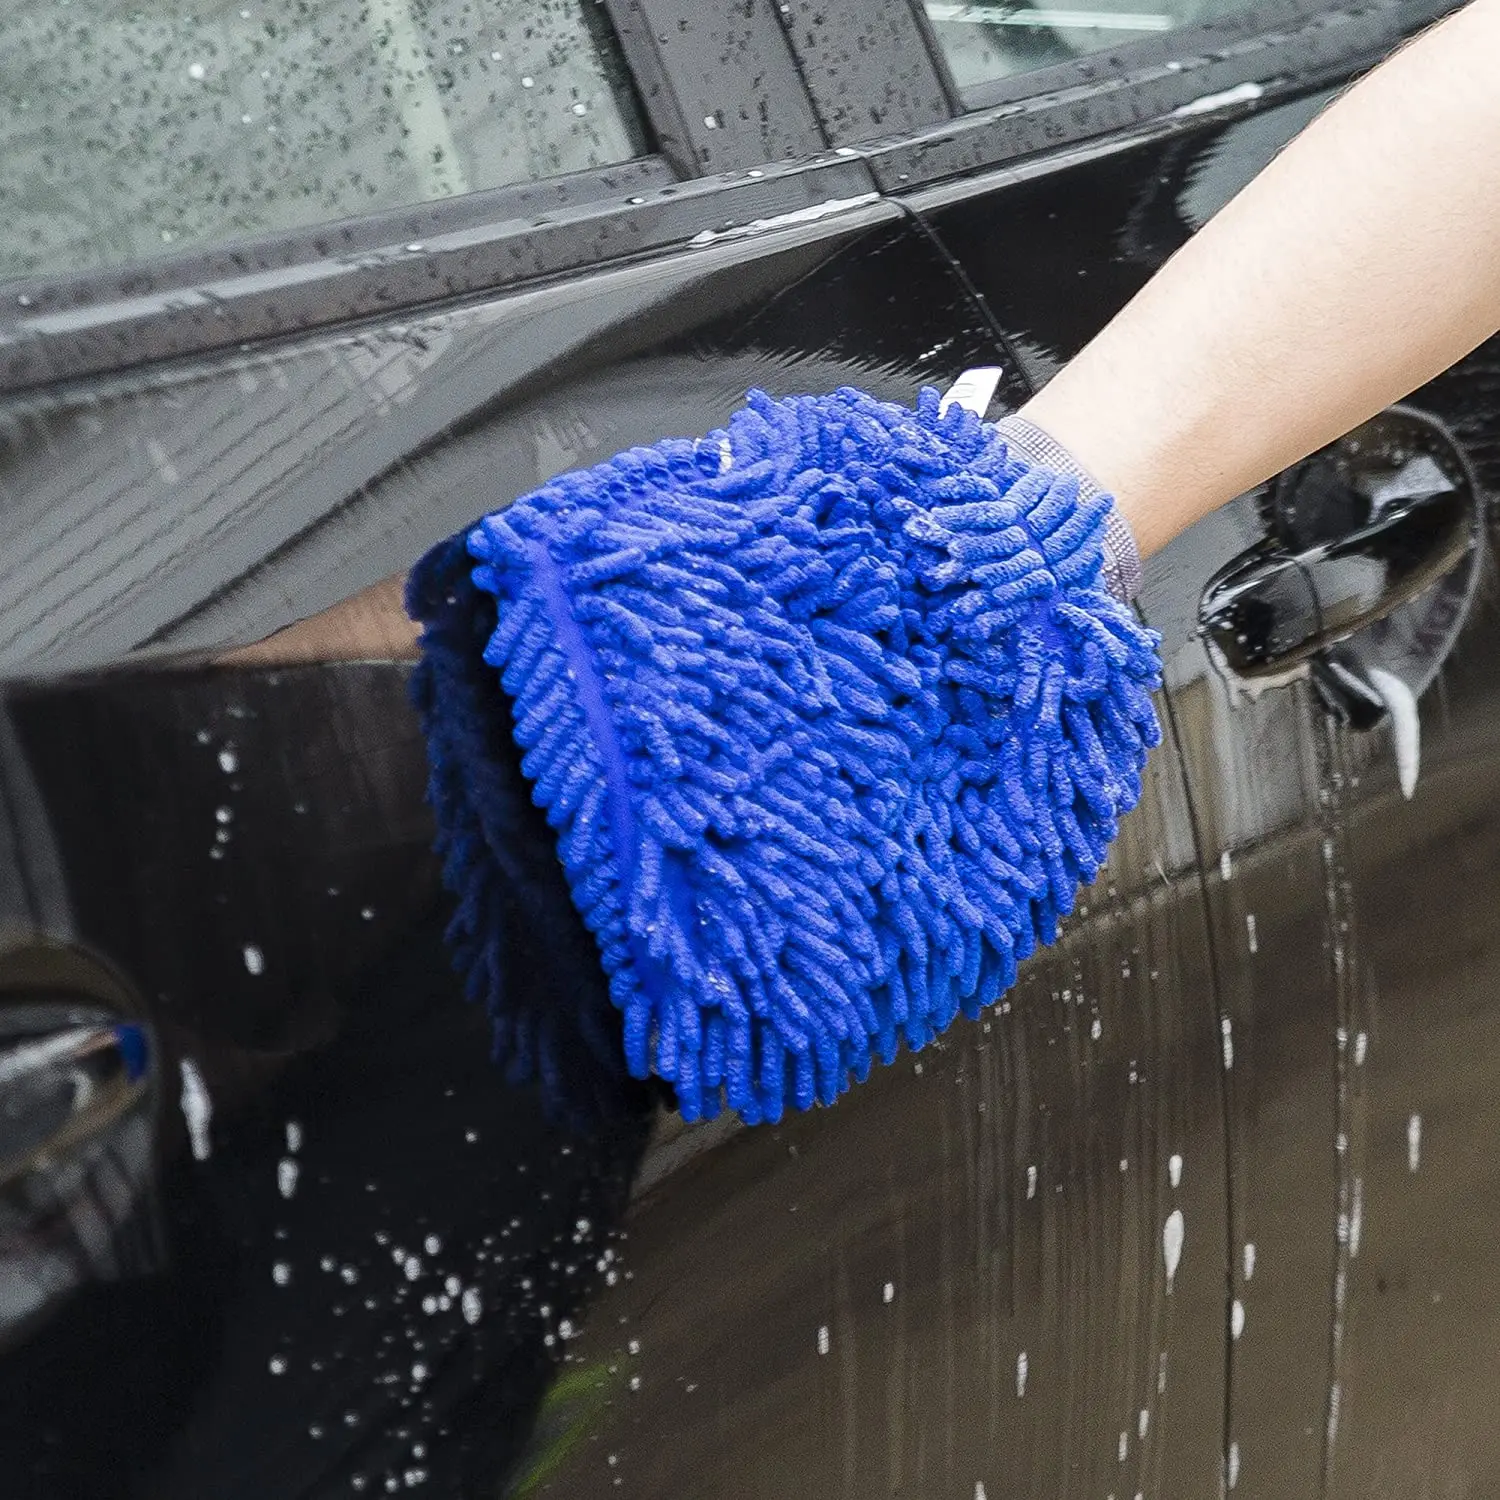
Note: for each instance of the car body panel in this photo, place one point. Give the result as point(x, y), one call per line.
point(1350, 926)
point(1006, 1267)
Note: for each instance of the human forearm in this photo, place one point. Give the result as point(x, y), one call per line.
point(1362, 262)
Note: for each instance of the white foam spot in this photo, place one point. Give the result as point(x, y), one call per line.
point(278, 1365)
point(197, 1109)
point(286, 1176)
point(979, 1493)
point(1122, 1448)
point(1174, 1170)
point(1361, 1049)
point(1414, 1143)
point(1023, 1368)
point(470, 1305)
point(1250, 932)
point(1241, 93)
point(281, 1273)
point(1406, 726)
point(293, 1136)
point(1236, 1319)
point(823, 1339)
point(1249, 1257)
point(1031, 1182)
point(888, 1292)
point(1226, 1031)
point(255, 960)
point(432, 1245)
point(1142, 1424)
point(229, 762)
point(1097, 1029)
point(1234, 1464)
point(1226, 866)
point(1173, 1232)
point(197, 72)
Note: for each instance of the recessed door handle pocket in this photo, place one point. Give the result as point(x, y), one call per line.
point(1355, 533)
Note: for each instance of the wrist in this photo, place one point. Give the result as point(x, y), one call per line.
point(1122, 557)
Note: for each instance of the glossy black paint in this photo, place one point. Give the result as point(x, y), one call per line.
point(1007, 1267)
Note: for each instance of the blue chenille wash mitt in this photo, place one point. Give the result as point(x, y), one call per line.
point(830, 713)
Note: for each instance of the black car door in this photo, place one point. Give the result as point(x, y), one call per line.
point(1341, 755)
point(317, 1245)
point(273, 1225)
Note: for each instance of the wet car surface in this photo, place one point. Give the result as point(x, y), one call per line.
point(1201, 1204)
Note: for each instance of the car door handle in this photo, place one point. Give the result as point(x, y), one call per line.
point(76, 1156)
point(1356, 532)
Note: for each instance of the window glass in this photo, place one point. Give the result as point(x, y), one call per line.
point(131, 126)
point(984, 43)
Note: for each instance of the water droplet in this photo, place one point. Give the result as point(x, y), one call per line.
point(888, 1292)
point(1249, 1258)
point(1174, 1170)
point(823, 1339)
point(278, 1365)
point(1236, 1319)
point(286, 1176)
point(1023, 1369)
point(1414, 1143)
point(197, 72)
point(471, 1306)
point(1172, 1235)
point(229, 762)
point(281, 1273)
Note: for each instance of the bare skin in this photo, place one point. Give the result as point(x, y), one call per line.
point(1361, 263)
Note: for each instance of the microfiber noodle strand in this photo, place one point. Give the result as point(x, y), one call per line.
point(830, 714)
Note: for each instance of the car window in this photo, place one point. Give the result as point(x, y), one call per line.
point(986, 43)
point(129, 127)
